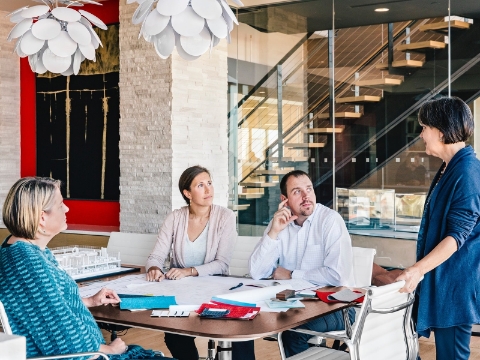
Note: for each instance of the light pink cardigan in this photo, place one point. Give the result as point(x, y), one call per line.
point(221, 238)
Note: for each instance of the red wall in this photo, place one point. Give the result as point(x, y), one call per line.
point(85, 212)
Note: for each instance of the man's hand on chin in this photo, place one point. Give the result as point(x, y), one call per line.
point(281, 273)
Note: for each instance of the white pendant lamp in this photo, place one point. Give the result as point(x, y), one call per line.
point(54, 36)
point(192, 26)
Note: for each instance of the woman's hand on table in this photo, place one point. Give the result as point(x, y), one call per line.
point(103, 297)
point(412, 277)
point(155, 274)
point(117, 346)
point(177, 274)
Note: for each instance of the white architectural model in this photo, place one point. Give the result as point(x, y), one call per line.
point(86, 261)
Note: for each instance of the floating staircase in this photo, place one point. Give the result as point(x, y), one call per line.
point(260, 188)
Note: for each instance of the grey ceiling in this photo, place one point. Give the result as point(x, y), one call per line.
point(350, 13)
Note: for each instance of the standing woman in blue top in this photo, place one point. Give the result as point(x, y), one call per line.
point(448, 246)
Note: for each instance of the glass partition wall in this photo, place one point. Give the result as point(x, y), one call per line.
point(334, 89)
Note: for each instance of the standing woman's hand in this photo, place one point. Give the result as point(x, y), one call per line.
point(412, 277)
point(155, 274)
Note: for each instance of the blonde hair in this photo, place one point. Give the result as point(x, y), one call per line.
point(25, 201)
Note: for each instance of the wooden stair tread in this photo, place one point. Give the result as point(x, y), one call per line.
point(401, 63)
point(248, 196)
point(346, 115)
point(257, 184)
point(290, 159)
point(304, 145)
point(378, 82)
point(272, 172)
point(443, 25)
point(324, 130)
point(422, 45)
point(358, 99)
point(239, 207)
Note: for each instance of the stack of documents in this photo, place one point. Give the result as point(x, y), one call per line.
point(293, 303)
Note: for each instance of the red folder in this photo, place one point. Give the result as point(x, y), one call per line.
point(323, 295)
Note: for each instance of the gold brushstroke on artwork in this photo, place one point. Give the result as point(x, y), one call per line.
point(107, 57)
point(104, 138)
point(68, 110)
point(86, 124)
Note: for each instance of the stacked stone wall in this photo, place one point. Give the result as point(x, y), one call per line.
point(9, 111)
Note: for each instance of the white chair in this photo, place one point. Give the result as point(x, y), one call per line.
point(383, 330)
point(8, 330)
point(134, 248)
point(241, 254)
point(362, 271)
point(363, 265)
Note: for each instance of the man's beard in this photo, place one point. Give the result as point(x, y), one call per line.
point(306, 213)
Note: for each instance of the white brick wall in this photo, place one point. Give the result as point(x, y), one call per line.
point(145, 131)
point(9, 111)
point(173, 115)
point(199, 119)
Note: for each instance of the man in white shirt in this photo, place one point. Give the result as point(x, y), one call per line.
point(309, 241)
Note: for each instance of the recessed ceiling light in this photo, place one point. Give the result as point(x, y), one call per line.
point(382, 9)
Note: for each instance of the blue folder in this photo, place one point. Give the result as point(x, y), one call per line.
point(130, 302)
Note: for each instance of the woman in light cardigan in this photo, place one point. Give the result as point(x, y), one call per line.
point(202, 236)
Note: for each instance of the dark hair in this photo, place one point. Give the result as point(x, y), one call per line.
point(295, 173)
point(187, 177)
point(449, 115)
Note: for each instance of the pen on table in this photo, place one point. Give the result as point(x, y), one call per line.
point(236, 286)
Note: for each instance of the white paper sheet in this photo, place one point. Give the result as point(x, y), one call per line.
point(189, 290)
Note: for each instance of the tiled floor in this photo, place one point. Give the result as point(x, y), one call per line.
point(268, 350)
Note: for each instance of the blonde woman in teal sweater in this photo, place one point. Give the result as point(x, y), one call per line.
point(41, 300)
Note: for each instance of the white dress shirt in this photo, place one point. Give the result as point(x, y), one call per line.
point(320, 251)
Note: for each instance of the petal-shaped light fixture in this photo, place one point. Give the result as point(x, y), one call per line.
point(56, 37)
point(192, 26)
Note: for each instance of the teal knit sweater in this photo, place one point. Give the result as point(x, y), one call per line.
point(43, 303)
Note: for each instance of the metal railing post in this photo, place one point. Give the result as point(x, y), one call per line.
point(280, 111)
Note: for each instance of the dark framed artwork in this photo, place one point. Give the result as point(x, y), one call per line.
point(77, 120)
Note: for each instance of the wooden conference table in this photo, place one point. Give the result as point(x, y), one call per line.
point(222, 330)
point(264, 324)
